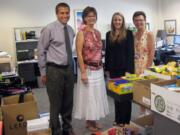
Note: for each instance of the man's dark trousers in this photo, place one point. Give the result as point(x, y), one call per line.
point(60, 85)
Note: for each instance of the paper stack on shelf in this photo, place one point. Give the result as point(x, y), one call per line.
point(18, 35)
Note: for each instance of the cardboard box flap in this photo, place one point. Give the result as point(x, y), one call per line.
point(165, 82)
point(146, 121)
point(15, 99)
point(158, 75)
point(147, 83)
point(168, 82)
point(31, 114)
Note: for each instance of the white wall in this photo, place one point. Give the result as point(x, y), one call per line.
point(29, 13)
point(170, 10)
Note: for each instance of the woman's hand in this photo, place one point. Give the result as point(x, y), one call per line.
point(84, 77)
point(44, 79)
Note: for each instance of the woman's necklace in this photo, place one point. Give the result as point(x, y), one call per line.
point(139, 35)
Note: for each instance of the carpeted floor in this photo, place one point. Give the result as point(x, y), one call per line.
point(79, 125)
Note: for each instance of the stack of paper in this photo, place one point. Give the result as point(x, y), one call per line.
point(38, 124)
point(3, 54)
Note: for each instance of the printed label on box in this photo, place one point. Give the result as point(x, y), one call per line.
point(146, 101)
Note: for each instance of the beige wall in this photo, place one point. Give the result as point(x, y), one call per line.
point(170, 10)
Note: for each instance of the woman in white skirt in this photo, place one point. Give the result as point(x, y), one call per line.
point(91, 99)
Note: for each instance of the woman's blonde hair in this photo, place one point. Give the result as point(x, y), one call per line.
point(122, 31)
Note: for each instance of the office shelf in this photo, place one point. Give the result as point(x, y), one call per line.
point(26, 40)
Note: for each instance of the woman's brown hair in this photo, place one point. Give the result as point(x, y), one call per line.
point(88, 10)
point(122, 31)
point(138, 13)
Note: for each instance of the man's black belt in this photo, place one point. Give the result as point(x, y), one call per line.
point(56, 65)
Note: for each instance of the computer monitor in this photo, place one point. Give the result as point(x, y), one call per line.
point(176, 39)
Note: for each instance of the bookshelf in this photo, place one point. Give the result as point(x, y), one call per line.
point(26, 40)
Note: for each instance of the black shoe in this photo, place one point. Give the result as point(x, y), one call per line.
point(59, 132)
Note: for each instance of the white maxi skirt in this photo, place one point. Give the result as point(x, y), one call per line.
point(91, 99)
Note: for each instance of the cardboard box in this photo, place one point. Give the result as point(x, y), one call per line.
point(164, 101)
point(144, 125)
point(158, 75)
point(15, 115)
point(178, 82)
point(142, 92)
point(40, 132)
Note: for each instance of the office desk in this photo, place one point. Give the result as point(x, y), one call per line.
point(29, 71)
point(162, 55)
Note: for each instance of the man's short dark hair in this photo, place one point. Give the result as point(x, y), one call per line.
point(88, 10)
point(138, 13)
point(61, 5)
